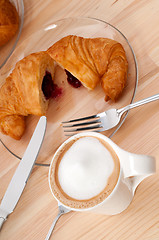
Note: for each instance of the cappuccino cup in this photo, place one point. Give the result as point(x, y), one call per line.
point(90, 173)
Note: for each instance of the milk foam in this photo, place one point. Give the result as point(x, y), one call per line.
point(85, 168)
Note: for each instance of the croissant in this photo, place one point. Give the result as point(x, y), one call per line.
point(26, 91)
point(9, 21)
point(93, 60)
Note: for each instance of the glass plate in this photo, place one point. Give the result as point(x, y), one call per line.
point(73, 103)
point(8, 48)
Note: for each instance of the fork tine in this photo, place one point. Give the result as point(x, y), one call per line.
point(71, 134)
point(81, 119)
point(82, 124)
point(84, 128)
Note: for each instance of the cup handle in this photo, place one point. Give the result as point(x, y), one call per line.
point(138, 167)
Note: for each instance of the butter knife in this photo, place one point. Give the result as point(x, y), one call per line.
point(22, 173)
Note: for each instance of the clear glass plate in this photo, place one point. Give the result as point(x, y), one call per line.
point(8, 48)
point(73, 103)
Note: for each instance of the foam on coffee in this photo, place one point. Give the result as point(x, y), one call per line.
point(84, 173)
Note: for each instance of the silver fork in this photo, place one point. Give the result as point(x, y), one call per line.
point(62, 210)
point(102, 121)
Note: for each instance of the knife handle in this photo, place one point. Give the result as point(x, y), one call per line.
point(3, 216)
point(1, 221)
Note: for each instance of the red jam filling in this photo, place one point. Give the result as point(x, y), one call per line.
point(73, 81)
point(50, 89)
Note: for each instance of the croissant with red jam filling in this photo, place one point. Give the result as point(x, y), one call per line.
point(25, 92)
point(91, 60)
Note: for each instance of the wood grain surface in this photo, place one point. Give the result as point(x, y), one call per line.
point(33, 216)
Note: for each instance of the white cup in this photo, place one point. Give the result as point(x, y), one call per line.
point(133, 169)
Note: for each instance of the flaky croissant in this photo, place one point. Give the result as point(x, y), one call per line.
point(91, 60)
point(26, 91)
point(9, 21)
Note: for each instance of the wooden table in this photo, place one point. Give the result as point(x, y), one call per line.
point(32, 217)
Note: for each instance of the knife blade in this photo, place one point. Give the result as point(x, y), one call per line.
point(23, 171)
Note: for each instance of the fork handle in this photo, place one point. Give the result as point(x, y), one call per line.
point(139, 103)
point(53, 225)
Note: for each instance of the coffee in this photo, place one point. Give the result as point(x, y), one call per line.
point(84, 172)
